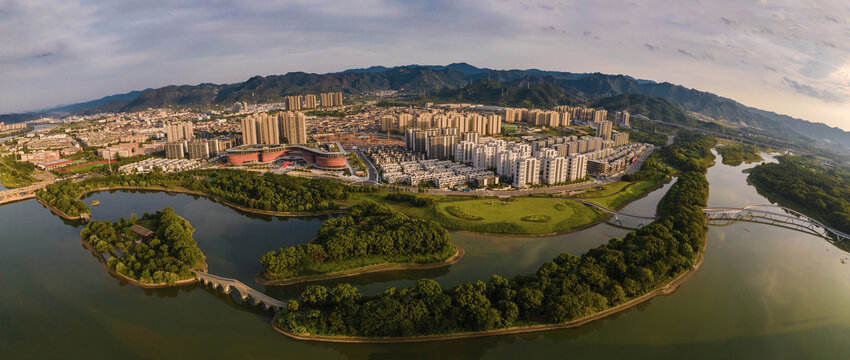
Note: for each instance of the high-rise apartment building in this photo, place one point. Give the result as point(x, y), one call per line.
point(249, 131)
point(293, 127)
point(198, 149)
point(600, 115)
point(603, 130)
point(331, 99)
point(505, 161)
point(440, 146)
point(470, 136)
point(526, 172)
point(576, 167)
point(621, 118)
point(269, 133)
point(555, 170)
point(175, 150)
point(621, 138)
point(180, 131)
point(293, 103)
point(310, 101)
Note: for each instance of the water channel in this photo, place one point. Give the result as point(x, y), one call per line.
point(762, 292)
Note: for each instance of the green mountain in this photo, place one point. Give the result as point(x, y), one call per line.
point(464, 82)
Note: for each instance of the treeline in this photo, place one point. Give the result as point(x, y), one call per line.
point(691, 151)
point(736, 154)
point(567, 288)
point(370, 233)
point(808, 185)
point(14, 174)
point(270, 192)
point(169, 255)
point(417, 201)
point(651, 169)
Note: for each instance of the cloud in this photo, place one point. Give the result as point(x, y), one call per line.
point(76, 50)
point(815, 93)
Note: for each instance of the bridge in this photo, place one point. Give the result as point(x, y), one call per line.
point(248, 294)
point(773, 215)
point(620, 219)
point(21, 193)
point(765, 214)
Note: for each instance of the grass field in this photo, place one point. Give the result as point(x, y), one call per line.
point(521, 215)
point(82, 168)
point(518, 215)
point(618, 194)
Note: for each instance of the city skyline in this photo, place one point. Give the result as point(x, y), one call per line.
point(786, 57)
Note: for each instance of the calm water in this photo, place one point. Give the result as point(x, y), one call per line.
point(762, 292)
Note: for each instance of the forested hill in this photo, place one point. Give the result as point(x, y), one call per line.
point(448, 82)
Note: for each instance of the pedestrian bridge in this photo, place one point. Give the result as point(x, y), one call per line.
point(773, 215)
point(26, 192)
point(765, 214)
point(248, 294)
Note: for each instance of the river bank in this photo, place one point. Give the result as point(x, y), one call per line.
point(666, 289)
point(371, 269)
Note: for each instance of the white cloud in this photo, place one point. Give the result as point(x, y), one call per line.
point(64, 51)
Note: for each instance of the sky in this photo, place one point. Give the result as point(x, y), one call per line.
point(791, 57)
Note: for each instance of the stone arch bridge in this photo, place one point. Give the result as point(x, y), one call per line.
point(248, 294)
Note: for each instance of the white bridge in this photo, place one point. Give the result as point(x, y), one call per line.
point(248, 295)
point(765, 214)
point(773, 215)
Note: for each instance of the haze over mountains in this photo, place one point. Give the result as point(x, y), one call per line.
point(464, 82)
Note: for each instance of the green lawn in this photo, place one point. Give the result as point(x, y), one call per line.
point(521, 215)
point(618, 194)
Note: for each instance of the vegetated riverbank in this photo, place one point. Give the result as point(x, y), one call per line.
point(371, 237)
point(806, 185)
point(370, 269)
point(663, 290)
point(267, 192)
point(569, 290)
point(192, 192)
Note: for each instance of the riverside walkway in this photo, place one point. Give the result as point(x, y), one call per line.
point(248, 294)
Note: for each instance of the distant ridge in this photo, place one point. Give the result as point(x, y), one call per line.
point(449, 82)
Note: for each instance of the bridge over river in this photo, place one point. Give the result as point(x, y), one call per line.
point(766, 214)
point(248, 294)
point(21, 193)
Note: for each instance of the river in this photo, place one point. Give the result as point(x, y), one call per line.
point(762, 292)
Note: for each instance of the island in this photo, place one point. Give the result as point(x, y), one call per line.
point(370, 237)
point(157, 250)
point(568, 291)
point(735, 154)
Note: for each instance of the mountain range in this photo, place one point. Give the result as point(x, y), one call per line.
point(464, 82)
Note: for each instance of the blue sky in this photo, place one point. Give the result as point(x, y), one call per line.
point(791, 57)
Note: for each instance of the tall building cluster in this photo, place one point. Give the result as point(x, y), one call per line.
point(521, 163)
point(331, 99)
point(180, 131)
point(462, 121)
point(621, 118)
point(5, 127)
point(604, 129)
point(311, 101)
point(195, 149)
point(538, 117)
point(263, 128)
point(581, 113)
